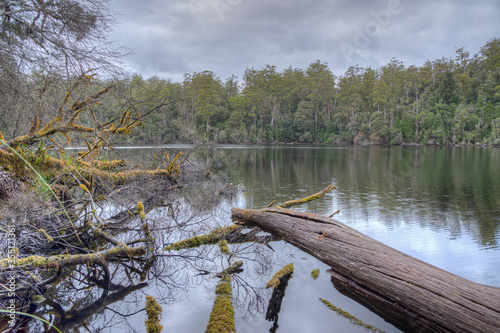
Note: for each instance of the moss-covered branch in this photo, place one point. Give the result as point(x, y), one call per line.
point(154, 311)
point(222, 315)
point(315, 273)
point(83, 170)
point(68, 114)
point(235, 267)
point(351, 318)
point(72, 260)
point(223, 236)
point(276, 279)
point(211, 238)
point(224, 247)
point(315, 196)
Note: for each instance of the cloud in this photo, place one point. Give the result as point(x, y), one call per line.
point(170, 38)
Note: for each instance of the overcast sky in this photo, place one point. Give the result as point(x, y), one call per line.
point(171, 37)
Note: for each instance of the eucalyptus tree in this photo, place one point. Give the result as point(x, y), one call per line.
point(208, 89)
point(350, 91)
point(464, 79)
point(261, 88)
point(320, 82)
point(380, 94)
point(490, 56)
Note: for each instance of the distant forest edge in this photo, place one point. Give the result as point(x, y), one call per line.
point(447, 101)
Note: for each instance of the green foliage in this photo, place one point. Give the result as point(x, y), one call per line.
point(380, 128)
point(393, 104)
point(304, 121)
point(407, 128)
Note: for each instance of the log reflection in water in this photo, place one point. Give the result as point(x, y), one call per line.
point(371, 301)
point(274, 306)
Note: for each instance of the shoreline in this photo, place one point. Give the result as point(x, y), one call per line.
point(307, 144)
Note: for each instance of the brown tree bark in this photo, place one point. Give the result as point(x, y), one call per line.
point(415, 296)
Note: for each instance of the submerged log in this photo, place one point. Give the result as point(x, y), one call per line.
point(415, 296)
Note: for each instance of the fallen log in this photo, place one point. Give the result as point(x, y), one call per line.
point(414, 296)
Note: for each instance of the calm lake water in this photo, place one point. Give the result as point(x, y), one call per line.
point(438, 204)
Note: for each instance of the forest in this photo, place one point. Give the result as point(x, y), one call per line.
point(448, 101)
point(445, 101)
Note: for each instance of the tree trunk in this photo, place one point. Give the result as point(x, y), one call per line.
point(415, 296)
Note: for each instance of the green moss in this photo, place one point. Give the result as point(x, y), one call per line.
point(154, 311)
point(223, 246)
point(47, 236)
point(222, 315)
point(223, 288)
point(35, 261)
point(315, 273)
point(275, 281)
point(355, 321)
point(315, 196)
point(231, 269)
point(211, 238)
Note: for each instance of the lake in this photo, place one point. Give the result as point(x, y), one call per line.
point(438, 204)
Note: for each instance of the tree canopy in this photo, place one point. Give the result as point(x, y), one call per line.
point(453, 100)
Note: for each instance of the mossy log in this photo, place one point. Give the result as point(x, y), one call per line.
point(411, 294)
point(222, 315)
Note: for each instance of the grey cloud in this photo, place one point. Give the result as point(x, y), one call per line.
point(174, 37)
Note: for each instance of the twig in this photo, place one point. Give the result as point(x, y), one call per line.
point(338, 211)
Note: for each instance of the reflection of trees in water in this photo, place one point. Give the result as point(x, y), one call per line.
point(249, 294)
point(90, 298)
point(453, 189)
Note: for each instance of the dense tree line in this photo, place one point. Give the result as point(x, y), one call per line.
point(446, 101)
